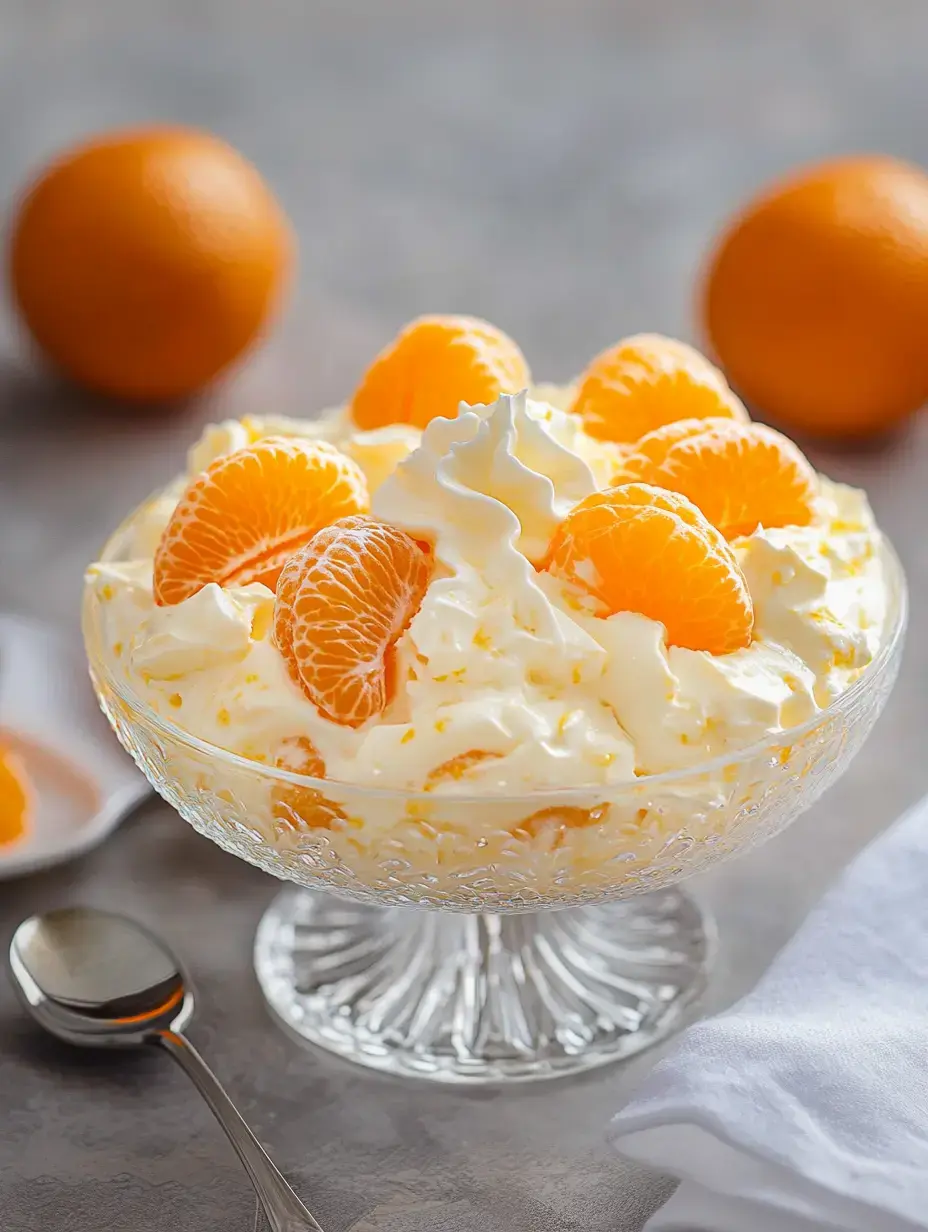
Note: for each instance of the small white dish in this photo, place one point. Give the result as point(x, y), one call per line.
point(83, 782)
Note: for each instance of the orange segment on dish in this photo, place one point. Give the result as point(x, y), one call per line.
point(740, 475)
point(636, 548)
point(241, 518)
point(646, 381)
point(433, 365)
point(15, 798)
point(342, 604)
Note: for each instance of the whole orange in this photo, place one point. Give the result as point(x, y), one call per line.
point(144, 262)
point(815, 299)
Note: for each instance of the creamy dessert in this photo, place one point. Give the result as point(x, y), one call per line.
point(524, 660)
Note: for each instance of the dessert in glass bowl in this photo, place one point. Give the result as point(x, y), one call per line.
point(494, 648)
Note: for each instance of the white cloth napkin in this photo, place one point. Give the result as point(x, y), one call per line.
point(805, 1106)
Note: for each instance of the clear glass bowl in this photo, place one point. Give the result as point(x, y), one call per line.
point(556, 941)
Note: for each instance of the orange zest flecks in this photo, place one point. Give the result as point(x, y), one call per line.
point(636, 548)
point(433, 365)
point(740, 475)
point(646, 381)
point(343, 602)
point(15, 797)
point(242, 517)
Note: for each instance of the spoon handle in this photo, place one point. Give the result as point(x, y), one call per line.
point(284, 1211)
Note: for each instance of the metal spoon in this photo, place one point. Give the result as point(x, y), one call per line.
point(102, 981)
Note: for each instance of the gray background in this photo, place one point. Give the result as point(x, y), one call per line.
point(559, 168)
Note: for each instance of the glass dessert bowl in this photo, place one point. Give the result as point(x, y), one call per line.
point(557, 941)
point(501, 828)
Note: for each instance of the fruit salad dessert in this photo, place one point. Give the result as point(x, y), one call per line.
point(466, 585)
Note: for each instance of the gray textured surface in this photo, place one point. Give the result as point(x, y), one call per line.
point(558, 167)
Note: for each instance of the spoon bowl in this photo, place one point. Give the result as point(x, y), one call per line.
point(97, 979)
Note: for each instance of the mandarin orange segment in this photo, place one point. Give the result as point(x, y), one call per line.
point(458, 767)
point(636, 548)
point(295, 807)
point(15, 798)
point(299, 755)
point(562, 817)
point(342, 604)
point(647, 381)
point(433, 365)
point(249, 511)
point(740, 475)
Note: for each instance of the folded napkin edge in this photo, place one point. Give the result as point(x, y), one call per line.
point(624, 1126)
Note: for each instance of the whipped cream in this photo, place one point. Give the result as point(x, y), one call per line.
point(504, 684)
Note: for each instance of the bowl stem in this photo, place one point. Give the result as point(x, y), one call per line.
point(482, 998)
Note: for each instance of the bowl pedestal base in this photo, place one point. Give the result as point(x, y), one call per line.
point(482, 998)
